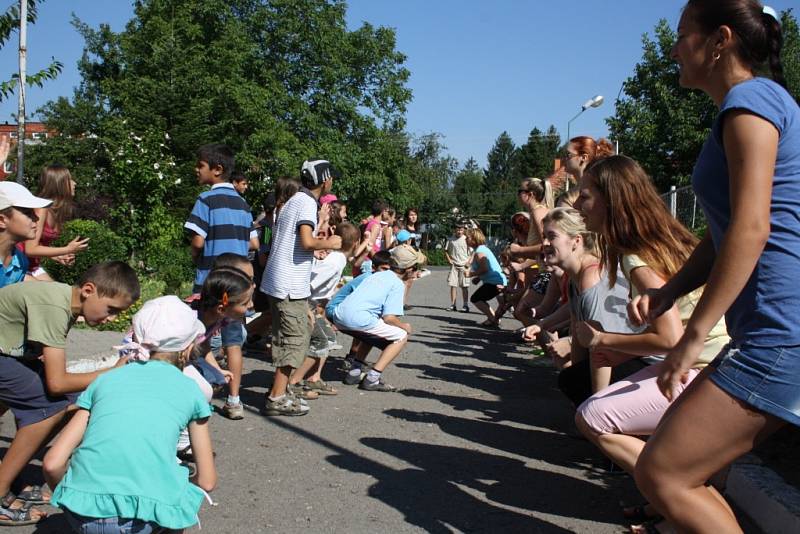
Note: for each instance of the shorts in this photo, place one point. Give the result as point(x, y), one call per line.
point(379, 336)
point(291, 331)
point(766, 378)
point(102, 525)
point(23, 389)
point(457, 277)
point(485, 293)
point(540, 282)
point(632, 406)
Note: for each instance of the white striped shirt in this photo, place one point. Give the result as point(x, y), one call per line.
point(288, 270)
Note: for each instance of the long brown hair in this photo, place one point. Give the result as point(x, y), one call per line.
point(637, 220)
point(55, 183)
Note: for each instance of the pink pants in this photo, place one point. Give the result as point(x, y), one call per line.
point(632, 406)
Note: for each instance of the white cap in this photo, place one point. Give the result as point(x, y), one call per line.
point(15, 195)
point(166, 324)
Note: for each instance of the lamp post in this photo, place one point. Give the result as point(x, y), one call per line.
point(595, 102)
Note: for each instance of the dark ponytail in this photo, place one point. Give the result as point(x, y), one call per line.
point(774, 47)
point(223, 285)
point(759, 34)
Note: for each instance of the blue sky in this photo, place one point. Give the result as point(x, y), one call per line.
point(478, 67)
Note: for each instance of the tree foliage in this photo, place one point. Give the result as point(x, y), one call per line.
point(501, 180)
point(664, 126)
point(279, 81)
point(468, 189)
point(535, 157)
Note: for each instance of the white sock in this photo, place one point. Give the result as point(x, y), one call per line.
point(276, 398)
point(373, 375)
point(233, 401)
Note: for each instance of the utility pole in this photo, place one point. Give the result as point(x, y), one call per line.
point(23, 57)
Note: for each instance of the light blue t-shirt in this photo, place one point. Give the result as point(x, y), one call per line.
point(125, 466)
point(15, 272)
point(765, 312)
point(339, 297)
point(495, 273)
point(378, 295)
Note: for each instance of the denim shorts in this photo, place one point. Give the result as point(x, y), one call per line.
point(112, 525)
point(23, 389)
point(766, 378)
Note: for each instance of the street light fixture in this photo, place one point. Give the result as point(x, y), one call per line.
point(594, 102)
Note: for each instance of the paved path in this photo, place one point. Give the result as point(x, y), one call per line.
point(474, 442)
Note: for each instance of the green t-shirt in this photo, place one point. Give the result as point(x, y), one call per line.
point(33, 315)
point(125, 466)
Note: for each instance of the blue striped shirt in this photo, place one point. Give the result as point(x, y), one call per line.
point(224, 220)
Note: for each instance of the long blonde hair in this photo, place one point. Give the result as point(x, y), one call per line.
point(570, 221)
point(55, 183)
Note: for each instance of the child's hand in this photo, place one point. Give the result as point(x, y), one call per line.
point(76, 245)
point(122, 361)
point(320, 254)
point(406, 327)
point(227, 375)
point(514, 248)
point(529, 334)
point(588, 334)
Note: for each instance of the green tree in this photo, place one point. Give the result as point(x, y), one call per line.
point(664, 126)
point(535, 157)
point(658, 123)
point(468, 189)
point(434, 173)
point(279, 81)
point(500, 181)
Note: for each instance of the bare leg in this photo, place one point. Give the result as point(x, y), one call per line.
point(234, 355)
point(389, 354)
point(623, 450)
point(452, 295)
point(487, 310)
point(301, 372)
point(464, 296)
point(280, 381)
point(706, 431)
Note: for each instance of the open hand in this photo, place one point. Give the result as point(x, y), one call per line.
point(76, 245)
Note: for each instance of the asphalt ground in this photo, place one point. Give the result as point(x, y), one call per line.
point(476, 440)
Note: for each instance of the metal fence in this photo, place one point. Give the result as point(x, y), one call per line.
point(682, 203)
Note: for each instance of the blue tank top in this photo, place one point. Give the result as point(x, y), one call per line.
point(767, 312)
point(495, 273)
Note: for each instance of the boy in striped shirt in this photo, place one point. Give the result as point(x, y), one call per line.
point(221, 223)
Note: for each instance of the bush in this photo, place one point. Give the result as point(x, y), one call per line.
point(104, 245)
point(435, 256)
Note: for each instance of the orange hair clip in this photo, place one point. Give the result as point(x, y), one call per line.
point(225, 299)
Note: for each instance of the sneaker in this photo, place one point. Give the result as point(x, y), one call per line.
point(321, 387)
point(465, 309)
point(332, 345)
point(378, 385)
point(352, 379)
point(452, 307)
point(284, 406)
point(423, 273)
point(233, 411)
point(300, 391)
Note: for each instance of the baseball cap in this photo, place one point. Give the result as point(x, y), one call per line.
point(15, 195)
point(317, 172)
point(403, 257)
point(166, 324)
point(327, 199)
point(403, 236)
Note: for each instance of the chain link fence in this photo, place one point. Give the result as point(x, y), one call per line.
point(682, 203)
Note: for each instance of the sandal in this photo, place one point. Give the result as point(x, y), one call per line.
point(34, 495)
point(321, 387)
point(18, 516)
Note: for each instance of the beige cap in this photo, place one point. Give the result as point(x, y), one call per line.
point(404, 256)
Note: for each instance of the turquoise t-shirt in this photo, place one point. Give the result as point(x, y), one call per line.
point(495, 273)
point(125, 466)
point(380, 294)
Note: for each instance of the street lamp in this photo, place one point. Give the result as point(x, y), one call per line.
point(595, 102)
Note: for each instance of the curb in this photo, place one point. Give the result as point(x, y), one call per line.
point(769, 501)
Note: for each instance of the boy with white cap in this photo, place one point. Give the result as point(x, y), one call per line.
point(287, 281)
point(18, 222)
point(371, 314)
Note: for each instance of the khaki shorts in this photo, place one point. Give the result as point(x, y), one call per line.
point(457, 277)
point(291, 331)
